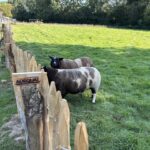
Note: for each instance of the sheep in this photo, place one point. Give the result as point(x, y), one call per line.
point(61, 63)
point(75, 81)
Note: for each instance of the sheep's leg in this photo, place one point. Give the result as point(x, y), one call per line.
point(62, 90)
point(93, 95)
point(94, 98)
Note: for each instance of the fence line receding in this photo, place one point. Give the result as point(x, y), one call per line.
point(45, 116)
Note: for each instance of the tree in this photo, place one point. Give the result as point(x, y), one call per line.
point(24, 10)
point(147, 15)
point(114, 12)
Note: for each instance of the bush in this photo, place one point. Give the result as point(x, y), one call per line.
point(6, 9)
point(147, 15)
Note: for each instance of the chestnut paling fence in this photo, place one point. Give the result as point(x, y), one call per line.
point(44, 114)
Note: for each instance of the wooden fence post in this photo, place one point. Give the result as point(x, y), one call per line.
point(16, 59)
point(81, 137)
point(30, 107)
point(6, 28)
point(7, 39)
point(44, 114)
point(9, 56)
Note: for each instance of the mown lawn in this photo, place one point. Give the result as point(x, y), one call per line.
point(120, 119)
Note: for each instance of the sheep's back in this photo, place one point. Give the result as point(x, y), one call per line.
point(68, 64)
point(84, 62)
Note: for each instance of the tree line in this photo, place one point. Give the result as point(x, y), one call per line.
point(131, 13)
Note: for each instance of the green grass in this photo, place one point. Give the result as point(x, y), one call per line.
point(120, 118)
point(7, 106)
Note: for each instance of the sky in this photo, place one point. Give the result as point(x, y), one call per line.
point(3, 0)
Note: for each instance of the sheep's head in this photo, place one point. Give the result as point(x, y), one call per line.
point(55, 61)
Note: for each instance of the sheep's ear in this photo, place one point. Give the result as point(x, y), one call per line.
point(45, 68)
point(61, 59)
point(50, 57)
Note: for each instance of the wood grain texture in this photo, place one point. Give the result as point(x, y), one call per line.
point(30, 104)
point(44, 114)
point(81, 137)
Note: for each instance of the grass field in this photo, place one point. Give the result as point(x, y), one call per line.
point(120, 119)
point(7, 107)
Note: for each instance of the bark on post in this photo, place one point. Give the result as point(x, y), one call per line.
point(10, 61)
point(7, 33)
point(9, 56)
point(81, 137)
point(1, 38)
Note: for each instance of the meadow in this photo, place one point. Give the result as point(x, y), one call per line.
point(120, 118)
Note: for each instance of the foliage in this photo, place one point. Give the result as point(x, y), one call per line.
point(116, 12)
point(24, 11)
point(6, 9)
point(7, 106)
point(120, 118)
point(147, 15)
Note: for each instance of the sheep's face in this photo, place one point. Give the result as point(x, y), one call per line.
point(55, 62)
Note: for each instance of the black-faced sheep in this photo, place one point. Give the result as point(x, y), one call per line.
point(61, 63)
point(75, 80)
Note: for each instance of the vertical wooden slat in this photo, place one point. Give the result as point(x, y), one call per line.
point(64, 125)
point(17, 59)
point(53, 110)
point(25, 55)
point(46, 121)
point(7, 33)
point(7, 40)
point(14, 47)
point(32, 64)
point(39, 67)
point(10, 59)
point(21, 60)
point(6, 49)
point(81, 137)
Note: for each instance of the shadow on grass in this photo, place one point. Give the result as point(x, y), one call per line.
point(126, 62)
point(98, 54)
point(124, 70)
